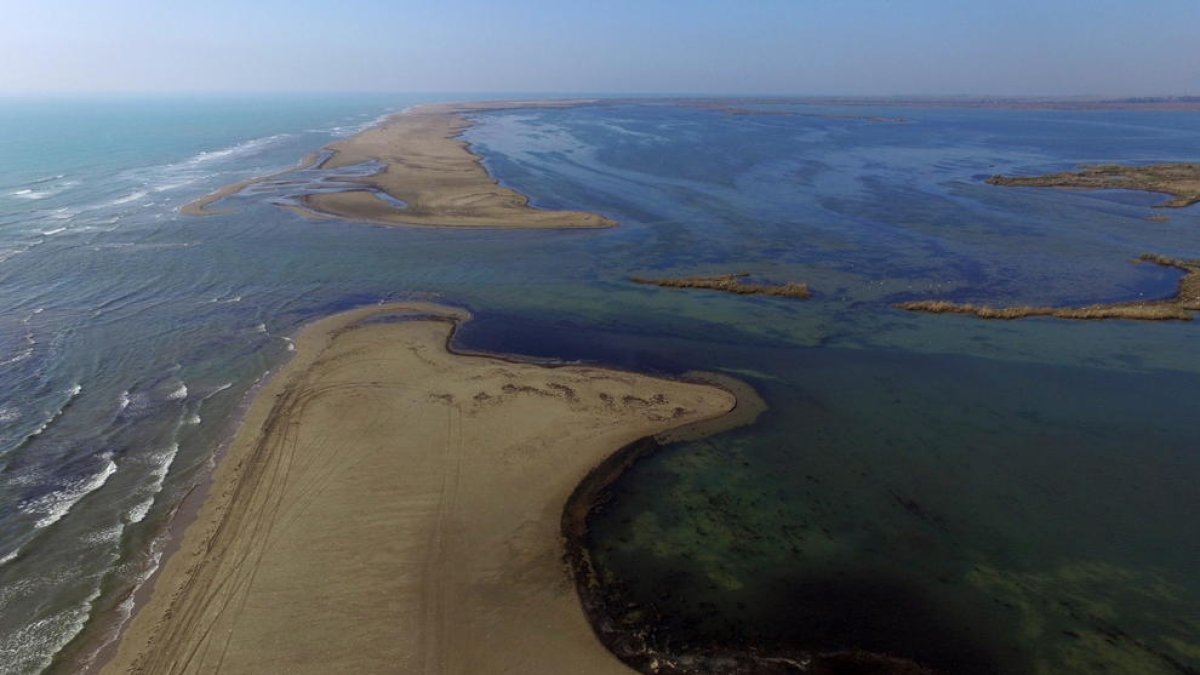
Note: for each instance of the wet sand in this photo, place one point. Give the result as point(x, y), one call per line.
point(439, 181)
point(390, 506)
point(199, 207)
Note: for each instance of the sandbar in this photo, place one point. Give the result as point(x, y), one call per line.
point(1180, 180)
point(730, 283)
point(429, 176)
point(1178, 307)
point(389, 505)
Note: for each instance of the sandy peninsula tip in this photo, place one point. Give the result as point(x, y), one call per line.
point(389, 505)
point(428, 177)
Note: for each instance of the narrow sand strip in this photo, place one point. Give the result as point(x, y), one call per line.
point(391, 507)
point(439, 181)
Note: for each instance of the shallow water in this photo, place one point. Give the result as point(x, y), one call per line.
point(987, 497)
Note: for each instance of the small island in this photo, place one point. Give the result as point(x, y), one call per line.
point(731, 283)
point(1178, 307)
point(1180, 180)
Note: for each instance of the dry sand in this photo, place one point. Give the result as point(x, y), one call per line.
point(388, 506)
point(437, 177)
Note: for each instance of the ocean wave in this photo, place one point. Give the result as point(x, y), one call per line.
point(73, 392)
point(107, 535)
point(244, 148)
point(52, 507)
point(31, 649)
point(129, 198)
point(29, 193)
point(10, 556)
point(180, 393)
point(161, 462)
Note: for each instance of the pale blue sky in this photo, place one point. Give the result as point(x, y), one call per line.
point(804, 47)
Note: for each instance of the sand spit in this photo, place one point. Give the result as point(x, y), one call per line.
point(1180, 180)
point(389, 506)
point(429, 177)
point(1178, 307)
point(731, 283)
point(199, 207)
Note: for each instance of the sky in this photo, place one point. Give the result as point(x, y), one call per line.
point(778, 47)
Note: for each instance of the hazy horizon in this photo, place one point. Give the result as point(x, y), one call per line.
point(1105, 48)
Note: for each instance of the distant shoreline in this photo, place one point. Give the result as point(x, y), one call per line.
point(429, 177)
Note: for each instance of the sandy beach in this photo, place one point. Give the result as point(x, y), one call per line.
point(434, 174)
point(390, 506)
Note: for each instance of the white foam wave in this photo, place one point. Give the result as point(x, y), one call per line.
point(291, 344)
point(123, 401)
point(54, 506)
point(11, 556)
point(31, 649)
point(9, 415)
point(108, 535)
point(162, 465)
point(71, 394)
point(51, 233)
point(260, 328)
point(238, 150)
point(179, 394)
point(129, 198)
point(193, 419)
point(18, 357)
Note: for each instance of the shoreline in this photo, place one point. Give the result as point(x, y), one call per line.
point(201, 572)
point(429, 176)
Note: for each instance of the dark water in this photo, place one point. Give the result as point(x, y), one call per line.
point(983, 497)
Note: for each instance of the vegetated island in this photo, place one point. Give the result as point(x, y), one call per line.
point(428, 177)
point(730, 283)
point(1181, 180)
point(389, 505)
point(1178, 307)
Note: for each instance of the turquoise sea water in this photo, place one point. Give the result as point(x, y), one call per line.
point(980, 496)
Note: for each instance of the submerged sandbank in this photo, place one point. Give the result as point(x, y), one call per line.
point(390, 506)
point(428, 177)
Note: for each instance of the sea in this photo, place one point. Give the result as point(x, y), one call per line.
point(979, 496)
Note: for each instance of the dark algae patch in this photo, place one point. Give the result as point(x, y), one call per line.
point(825, 624)
point(835, 624)
point(1179, 307)
point(1180, 180)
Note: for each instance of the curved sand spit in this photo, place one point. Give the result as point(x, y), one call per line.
point(388, 506)
point(439, 180)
